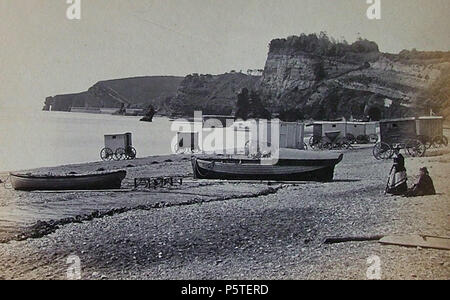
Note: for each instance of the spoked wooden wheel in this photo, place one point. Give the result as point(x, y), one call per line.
point(350, 138)
point(120, 154)
point(325, 146)
point(415, 148)
point(345, 145)
point(106, 154)
point(315, 142)
point(131, 153)
point(440, 141)
point(382, 151)
point(427, 141)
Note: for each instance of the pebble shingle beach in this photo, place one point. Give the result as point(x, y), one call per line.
point(226, 230)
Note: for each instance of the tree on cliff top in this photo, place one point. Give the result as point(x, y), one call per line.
point(322, 45)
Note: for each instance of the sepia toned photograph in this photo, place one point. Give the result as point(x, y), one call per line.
point(208, 142)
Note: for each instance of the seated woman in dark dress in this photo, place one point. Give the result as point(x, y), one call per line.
point(397, 184)
point(423, 187)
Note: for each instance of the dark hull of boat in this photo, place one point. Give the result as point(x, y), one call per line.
point(321, 170)
point(101, 181)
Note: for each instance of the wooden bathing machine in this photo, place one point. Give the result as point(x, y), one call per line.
point(116, 141)
point(362, 128)
point(249, 137)
point(430, 126)
point(397, 130)
point(400, 130)
point(320, 129)
point(288, 135)
point(118, 146)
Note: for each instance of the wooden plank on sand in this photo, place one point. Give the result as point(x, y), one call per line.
point(84, 191)
point(423, 241)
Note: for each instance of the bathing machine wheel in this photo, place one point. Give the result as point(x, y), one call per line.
point(120, 154)
point(130, 153)
point(382, 151)
point(351, 138)
point(415, 148)
point(440, 141)
point(106, 154)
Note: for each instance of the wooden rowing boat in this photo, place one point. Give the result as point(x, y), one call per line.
point(292, 165)
point(94, 181)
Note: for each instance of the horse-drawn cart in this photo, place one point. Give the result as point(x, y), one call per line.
point(118, 147)
point(414, 135)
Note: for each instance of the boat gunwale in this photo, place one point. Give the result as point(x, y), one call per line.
point(280, 161)
point(69, 176)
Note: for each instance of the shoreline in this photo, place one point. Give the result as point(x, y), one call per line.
point(90, 165)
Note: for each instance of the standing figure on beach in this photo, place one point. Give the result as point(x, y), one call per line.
point(397, 183)
point(424, 186)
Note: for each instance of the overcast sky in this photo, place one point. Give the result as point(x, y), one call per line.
point(42, 53)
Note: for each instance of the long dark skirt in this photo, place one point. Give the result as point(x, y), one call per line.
point(397, 183)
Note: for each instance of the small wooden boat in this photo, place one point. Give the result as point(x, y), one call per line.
point(94, 181)
point(292, 165)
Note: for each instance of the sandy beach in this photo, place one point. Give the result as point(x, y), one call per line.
point(226, 230)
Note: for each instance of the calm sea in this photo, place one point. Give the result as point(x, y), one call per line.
point(35, 139)
point(38, 139)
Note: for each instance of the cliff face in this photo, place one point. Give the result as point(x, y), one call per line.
point(212, 94)
point(138, 92)
point(328, 80)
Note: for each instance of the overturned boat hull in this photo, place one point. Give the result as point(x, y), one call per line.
point(297, 166)
point(97, 181)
